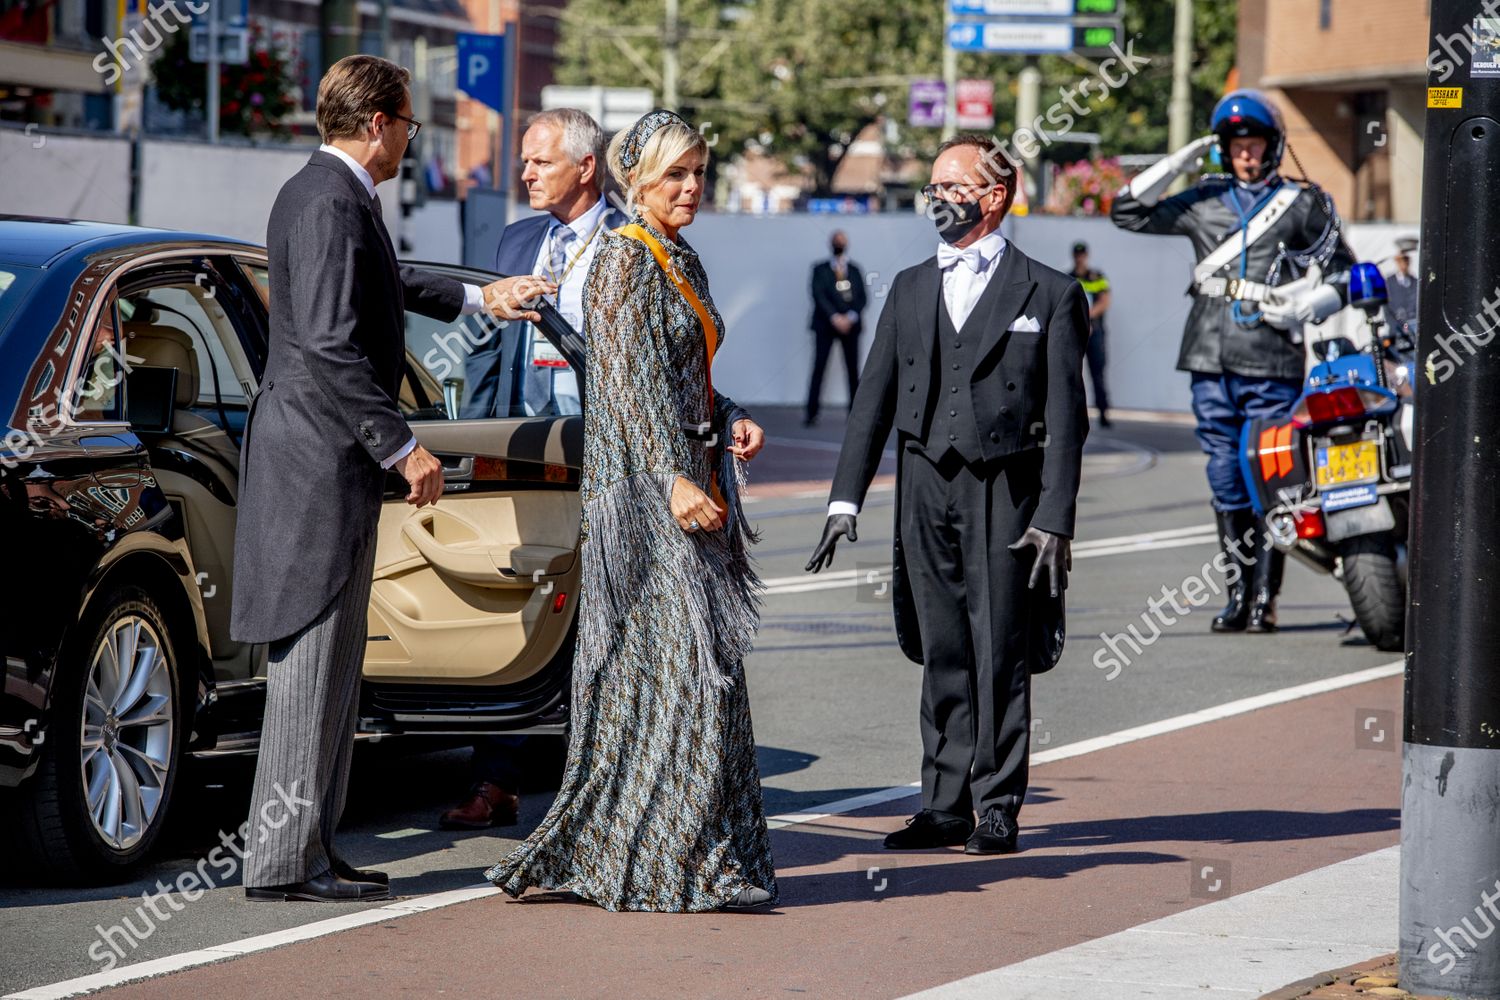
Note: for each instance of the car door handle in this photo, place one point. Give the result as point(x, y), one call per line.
point(458, 466)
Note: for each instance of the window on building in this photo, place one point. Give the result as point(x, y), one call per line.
point(1325, 14)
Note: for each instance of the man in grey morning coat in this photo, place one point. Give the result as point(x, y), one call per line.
point(322, 430)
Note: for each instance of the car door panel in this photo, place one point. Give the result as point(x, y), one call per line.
point(478, 589)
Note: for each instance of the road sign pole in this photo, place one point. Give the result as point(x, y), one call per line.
point(211, 103)
point(1450, 846)
point(950, 77)
point(506, 169)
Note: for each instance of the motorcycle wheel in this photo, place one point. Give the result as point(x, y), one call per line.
point(1373, 580)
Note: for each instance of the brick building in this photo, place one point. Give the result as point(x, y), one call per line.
point(1349, 75)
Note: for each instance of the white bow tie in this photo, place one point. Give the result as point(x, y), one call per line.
point(948, 255)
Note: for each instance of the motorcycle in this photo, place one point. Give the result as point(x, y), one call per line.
point(1334, 480)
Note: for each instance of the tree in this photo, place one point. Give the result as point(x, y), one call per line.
point(252, 98)
point(802, 77)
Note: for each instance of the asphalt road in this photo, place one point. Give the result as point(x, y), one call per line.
point(834, 701)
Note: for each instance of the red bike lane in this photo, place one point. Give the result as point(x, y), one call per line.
point(1111, 839)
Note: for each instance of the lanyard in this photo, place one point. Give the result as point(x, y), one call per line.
point(576, 257)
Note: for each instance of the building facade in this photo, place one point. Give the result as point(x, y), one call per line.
point(1350, 77)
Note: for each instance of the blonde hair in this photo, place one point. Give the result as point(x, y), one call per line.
point(665, 147)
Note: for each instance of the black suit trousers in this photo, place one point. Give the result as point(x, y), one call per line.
point(969, 588)
point(825, 339)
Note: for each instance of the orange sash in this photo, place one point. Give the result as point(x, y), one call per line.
point(710, 331)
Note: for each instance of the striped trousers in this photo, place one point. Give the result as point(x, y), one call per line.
point(307, 738)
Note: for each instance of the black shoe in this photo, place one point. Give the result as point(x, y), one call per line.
point(927, 829)
point(325, 888)
point(1104, 421)
point(750, 898)
point(996, 834)
point(1237, 540)
point(1265, 584)
point(345, 870)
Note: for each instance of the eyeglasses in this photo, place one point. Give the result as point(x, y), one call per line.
point(949, 191)
point(412, 126)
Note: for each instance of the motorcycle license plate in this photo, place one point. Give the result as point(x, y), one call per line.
point(1346, 464)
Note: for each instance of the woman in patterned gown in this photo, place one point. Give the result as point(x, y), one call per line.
point(660, 803)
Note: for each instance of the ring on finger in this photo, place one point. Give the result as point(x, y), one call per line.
point(693, 525)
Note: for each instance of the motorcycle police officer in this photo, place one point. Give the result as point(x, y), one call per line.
point(1263, 245)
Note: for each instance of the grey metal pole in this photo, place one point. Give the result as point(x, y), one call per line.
point(211, 104)
point(1028, 111)
point(1180, 106)
point(669, 58)
point(1450, 828)
point(950, 76)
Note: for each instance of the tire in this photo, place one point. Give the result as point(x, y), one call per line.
point(1373, 580)
point(137, 730)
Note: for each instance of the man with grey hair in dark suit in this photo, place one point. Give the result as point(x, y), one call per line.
point(322, 430)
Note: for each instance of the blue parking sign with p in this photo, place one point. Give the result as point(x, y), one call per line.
point(481, 68)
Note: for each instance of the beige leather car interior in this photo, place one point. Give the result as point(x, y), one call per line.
point(476, 589)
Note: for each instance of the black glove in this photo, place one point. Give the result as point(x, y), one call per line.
point(836, 525)
point(1053, 552)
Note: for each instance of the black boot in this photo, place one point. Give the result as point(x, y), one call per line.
point(1234, 527)
point(1265, 584)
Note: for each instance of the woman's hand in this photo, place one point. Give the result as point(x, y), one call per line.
point(690, 504)
point(748, 439)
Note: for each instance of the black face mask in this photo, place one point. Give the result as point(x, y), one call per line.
point(956, 219)
point(838, 249)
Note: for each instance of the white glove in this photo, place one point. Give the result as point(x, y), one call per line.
point(1149, 185)
point(1296, 303)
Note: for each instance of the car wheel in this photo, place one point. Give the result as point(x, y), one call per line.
point(99, 799)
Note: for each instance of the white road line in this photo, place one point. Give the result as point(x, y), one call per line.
point(421, 904)
point(1172, 538)
point(245, 946)
point(1135, 733)
point(1328, 917)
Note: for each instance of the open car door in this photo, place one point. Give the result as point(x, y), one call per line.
point(471, 611)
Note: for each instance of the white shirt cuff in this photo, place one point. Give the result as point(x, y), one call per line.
point(405, 450)
point(843, 507)
point(473, 300)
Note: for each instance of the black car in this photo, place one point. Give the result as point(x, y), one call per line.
point(128, 358)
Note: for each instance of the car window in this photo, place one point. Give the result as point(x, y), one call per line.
point(192, 309)
point(478, 367)
point(14, 281)
point(260, 278)
point(97, 394)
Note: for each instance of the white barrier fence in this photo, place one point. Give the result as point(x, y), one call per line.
point(759, 265)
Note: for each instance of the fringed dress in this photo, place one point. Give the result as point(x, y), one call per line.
point(660, 803)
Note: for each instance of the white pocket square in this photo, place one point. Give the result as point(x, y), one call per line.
point(1026, 324)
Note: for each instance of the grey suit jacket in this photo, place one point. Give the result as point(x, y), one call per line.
point(325, 416)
